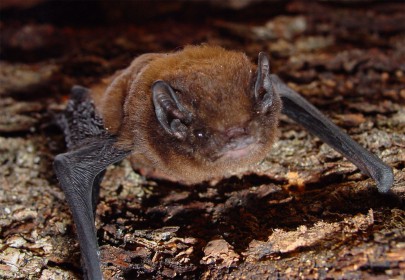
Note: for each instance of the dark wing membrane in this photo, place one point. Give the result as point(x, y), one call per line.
point(80, 171)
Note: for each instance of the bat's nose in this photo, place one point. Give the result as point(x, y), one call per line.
point(235, 132)
point(238, 149)
point(237, 138)
point(239, 143)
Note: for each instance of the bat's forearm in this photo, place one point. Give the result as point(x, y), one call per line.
point(300, 110)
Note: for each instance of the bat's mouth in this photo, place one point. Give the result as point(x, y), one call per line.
point(238, 153)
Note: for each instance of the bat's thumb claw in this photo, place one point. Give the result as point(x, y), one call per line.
point(384, 179)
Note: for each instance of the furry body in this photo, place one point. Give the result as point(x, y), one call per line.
point(216, 86)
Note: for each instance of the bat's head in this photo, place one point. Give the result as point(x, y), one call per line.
point(216, 113)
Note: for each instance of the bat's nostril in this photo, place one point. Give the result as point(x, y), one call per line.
point(235, 132)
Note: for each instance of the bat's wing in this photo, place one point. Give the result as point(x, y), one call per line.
point(301, 111)
point(80, 171)
point(79, 121)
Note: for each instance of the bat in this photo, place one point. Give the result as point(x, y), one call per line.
point(196, 114)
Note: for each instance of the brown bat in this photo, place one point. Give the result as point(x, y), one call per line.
point(197, 114)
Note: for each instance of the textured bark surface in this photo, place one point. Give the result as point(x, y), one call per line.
point(304, 212)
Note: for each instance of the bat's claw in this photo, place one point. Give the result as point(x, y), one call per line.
point(384, 179)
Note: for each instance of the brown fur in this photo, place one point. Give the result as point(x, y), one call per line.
point(215, 85)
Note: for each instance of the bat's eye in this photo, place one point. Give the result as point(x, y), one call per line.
point(199, 133)
point(171, 114)
point(263, 90)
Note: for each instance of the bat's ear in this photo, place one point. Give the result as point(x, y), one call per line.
point(263, 91)
point(171, 114)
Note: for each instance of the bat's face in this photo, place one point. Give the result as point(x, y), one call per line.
point(217, 117)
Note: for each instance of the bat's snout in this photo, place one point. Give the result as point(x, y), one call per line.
point(239, 145)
